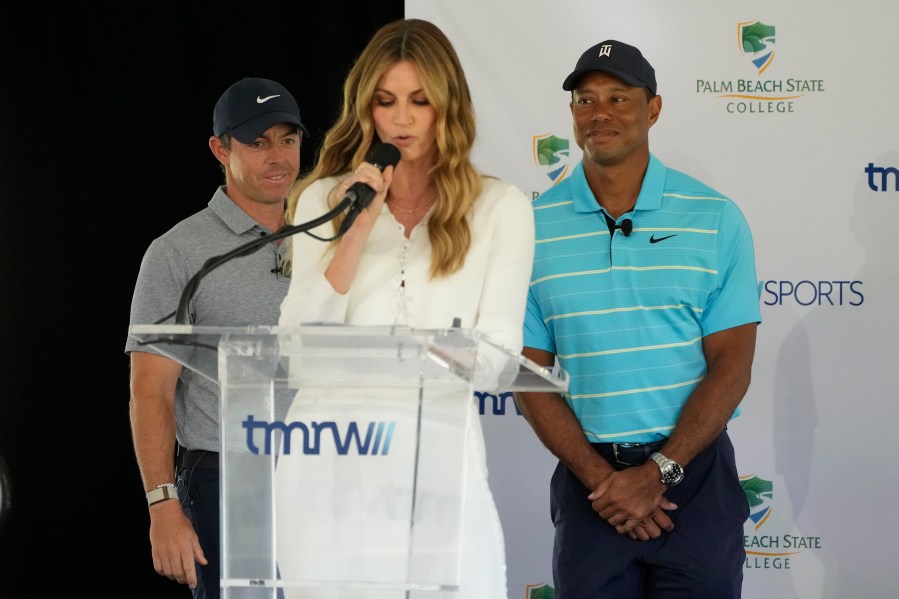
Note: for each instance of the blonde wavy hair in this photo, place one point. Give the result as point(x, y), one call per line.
point(349, 141)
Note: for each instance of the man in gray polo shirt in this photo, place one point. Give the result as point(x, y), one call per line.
point(256, 137)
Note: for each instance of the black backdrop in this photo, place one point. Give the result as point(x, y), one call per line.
point(105, 113)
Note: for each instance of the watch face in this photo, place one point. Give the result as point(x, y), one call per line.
point(672, 473)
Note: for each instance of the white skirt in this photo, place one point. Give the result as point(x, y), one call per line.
point(360, 529)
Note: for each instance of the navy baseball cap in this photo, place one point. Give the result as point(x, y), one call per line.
point(249, 107)
point(615, 58)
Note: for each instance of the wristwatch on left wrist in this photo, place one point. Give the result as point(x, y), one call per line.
point(672, 472)
point(161, 493)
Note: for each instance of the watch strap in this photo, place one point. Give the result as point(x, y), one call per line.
point(658, 458)
point(161, 493)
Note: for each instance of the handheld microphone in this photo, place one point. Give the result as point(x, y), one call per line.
point(357, 198)
point(360, 195)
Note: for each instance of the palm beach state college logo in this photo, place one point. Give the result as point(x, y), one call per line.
point(756, 41)
point(759, 95)
point(766, 551)
point(551, 154)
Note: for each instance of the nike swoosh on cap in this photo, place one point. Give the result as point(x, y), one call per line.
point(266, 99)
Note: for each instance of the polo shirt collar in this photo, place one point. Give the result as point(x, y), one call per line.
point(231, 214)
point(650, 197)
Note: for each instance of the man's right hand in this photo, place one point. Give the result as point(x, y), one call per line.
point(175, 545)
point(630, 500)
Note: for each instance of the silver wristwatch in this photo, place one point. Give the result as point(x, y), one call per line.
point(672, 472)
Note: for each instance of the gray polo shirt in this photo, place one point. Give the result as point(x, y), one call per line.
point(241, 292)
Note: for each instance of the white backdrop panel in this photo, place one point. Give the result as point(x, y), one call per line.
point(817, 421)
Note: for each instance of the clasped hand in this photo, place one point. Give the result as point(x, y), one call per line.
point(632, 501)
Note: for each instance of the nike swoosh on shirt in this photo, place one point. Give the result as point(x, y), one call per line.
point(654, 239)
point(266, 99)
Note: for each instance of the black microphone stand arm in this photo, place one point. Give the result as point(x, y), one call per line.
point(247, 249)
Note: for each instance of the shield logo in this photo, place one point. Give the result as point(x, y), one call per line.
point(539, 591)
point(760, 494)
point(756, 41)
point(551, 153)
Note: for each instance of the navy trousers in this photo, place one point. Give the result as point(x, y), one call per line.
point(201, 505)
point(701, 558)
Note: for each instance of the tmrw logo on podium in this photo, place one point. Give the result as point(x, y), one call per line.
point(371, 438)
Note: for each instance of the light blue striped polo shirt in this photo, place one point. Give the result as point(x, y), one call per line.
point(626, 315)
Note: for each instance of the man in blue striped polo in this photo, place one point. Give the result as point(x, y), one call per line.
point(644, 291)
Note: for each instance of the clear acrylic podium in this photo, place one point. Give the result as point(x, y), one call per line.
point(342, 458)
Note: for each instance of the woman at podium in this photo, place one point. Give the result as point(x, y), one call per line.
point(440, 244)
